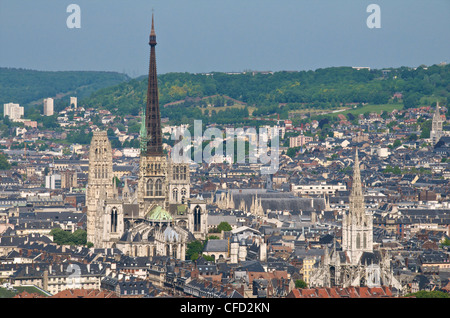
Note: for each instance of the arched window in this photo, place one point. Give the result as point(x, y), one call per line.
point(175, 194)
point(197, 218)
point(365, 240)
point(183, 195)
point(114, 220)
point(149, 190)
point(158, 188)
point(358, 241)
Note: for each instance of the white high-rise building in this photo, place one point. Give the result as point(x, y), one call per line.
point(53, 181)
point(13, 111)
point(48, 107)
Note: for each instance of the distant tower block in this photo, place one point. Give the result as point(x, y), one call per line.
point(48, 107)
point(73, 101)
point(13, 111)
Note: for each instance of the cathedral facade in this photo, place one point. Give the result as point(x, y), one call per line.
point(158, 217)
point(355, 263)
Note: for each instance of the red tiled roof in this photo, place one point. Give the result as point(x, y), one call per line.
point(26, 294)
point(339, 292)
point(84, 293)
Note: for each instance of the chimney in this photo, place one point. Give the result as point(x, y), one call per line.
point(45, 280)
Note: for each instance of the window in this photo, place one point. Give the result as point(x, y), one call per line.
point(149, 190)
point(158, 188)
point(175, 194)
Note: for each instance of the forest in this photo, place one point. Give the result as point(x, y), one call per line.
point(184, 96)
point(223, 98)
point(26, 87)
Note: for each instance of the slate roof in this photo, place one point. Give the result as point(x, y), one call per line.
point(216, 246)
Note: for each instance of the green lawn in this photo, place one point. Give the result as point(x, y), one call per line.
point(374, 109)
point(30, 289)
point(4, 293)
point(367, 108)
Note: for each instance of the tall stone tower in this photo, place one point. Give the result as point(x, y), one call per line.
point(161, 181)
point(357, 225)
point(153, 168)
point(100, 180)
point(436, 126)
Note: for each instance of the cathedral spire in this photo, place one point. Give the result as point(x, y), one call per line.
point(152, 136)
point(356, 196)
point(152, 32)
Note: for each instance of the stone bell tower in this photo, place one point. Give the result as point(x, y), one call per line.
point(357, 225)
point(100, 181)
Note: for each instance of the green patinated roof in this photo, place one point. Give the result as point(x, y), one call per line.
point(159, 214)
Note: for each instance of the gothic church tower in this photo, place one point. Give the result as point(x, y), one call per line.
point(100, 180)
point(357, 226)
point(436, 126)
point(153, 168)
point(161, 181)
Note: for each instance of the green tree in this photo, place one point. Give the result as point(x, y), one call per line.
point(397, 143)
point(62, 237)
point(224, 226)
point(446, 242)
point(4, 163)
point(300, 284)
point(426, 128)
point(429, 294)
point(291, 152)
point(194, 249)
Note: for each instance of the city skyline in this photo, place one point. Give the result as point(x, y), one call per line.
point(108, 196)
point(255, 35)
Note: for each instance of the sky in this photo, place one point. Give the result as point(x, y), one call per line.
point(199, 36)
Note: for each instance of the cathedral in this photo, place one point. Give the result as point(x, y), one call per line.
point(158, 217)
point(355, 263)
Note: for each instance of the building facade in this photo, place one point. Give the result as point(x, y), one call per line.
point(13, 111)
point(158, 217)
point(48, 107)
point(355, 263)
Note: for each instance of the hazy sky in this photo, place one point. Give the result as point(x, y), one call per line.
point(227, 35)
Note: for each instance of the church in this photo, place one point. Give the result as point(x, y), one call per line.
point(436, 126)
point(158, 217)
point(355, 263)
